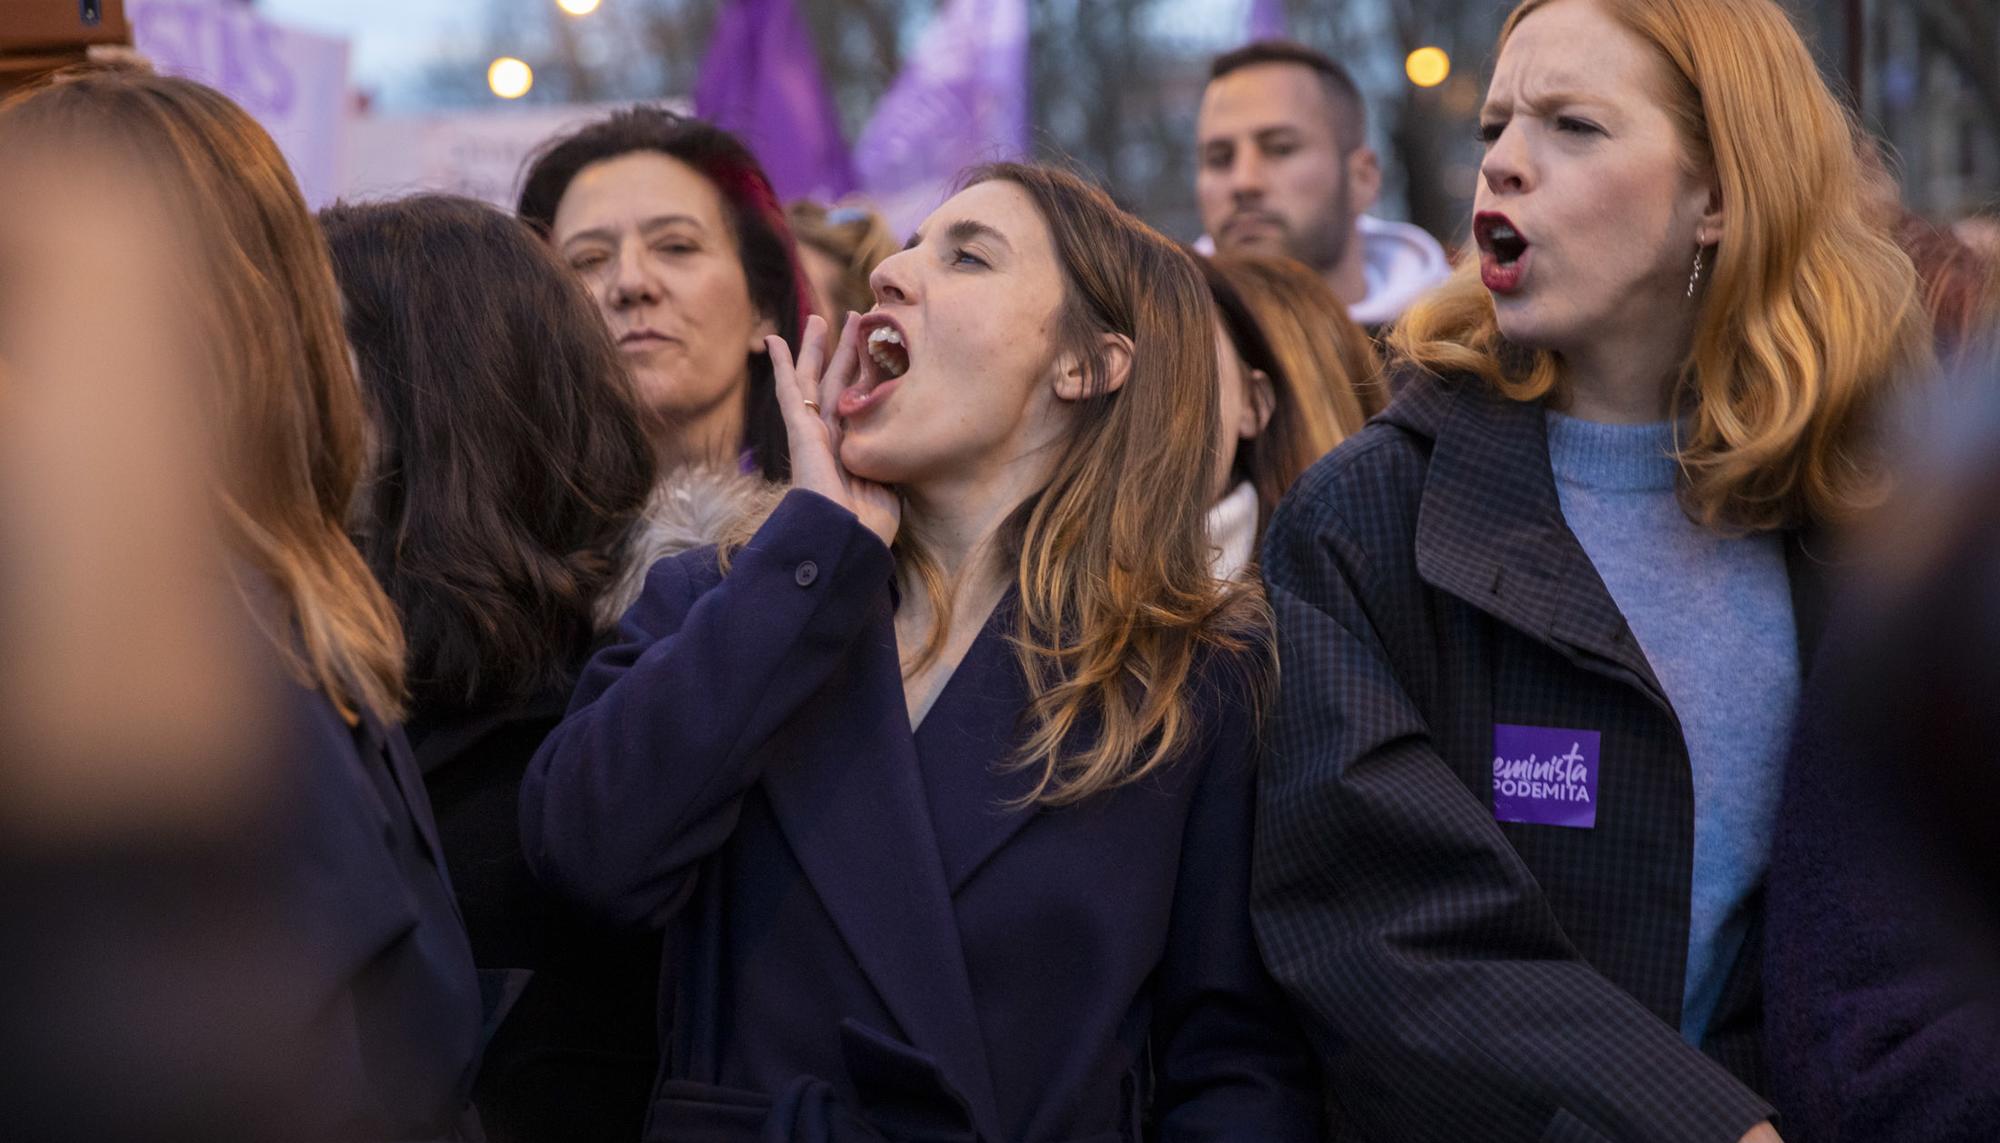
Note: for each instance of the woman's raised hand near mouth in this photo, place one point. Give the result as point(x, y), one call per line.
point(815, 436)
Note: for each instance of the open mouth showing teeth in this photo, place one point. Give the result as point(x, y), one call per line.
point(887, 351)
point(1506, 243)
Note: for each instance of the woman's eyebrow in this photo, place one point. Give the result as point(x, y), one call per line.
point(662, 220)
point(965, 230)
point(1541, 102)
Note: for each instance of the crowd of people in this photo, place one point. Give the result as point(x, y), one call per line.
point(669, 664)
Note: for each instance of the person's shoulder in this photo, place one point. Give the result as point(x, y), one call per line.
point(312, 723)
point(1381, 452)
point(676, 581)
point(1235, 661)
point(1240, 644)
point(1384, 465)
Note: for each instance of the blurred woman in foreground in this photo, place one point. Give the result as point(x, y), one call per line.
point(1883, 963)
point(365, 1002)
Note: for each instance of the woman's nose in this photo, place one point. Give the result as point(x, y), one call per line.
point(890, 279)
point(1505, 167)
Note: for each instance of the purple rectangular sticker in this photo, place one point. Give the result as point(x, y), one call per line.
point(1545, 775)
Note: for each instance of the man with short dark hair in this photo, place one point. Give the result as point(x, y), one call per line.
point(1285, 168)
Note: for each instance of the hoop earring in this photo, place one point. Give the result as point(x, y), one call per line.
point(1696, 276)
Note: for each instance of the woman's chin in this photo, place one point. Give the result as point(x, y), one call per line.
point(672, 396)
point(1525, 329)
point(865, 459)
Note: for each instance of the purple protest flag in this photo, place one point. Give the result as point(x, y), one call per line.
point(1267, 21)
point(962, 100)
point(761, 80)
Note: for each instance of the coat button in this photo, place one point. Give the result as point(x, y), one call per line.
point(806, 574)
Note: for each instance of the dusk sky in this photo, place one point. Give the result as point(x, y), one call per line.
point(392, 40)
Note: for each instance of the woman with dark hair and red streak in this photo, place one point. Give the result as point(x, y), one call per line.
point(512, 514)
point(681, 240)
point(940, 778)
point(1544, 620)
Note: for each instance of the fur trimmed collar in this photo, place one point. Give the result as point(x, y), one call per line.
point(691, 508)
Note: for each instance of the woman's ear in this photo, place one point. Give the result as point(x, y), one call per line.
point(1114, 350)
point(764, 328)
point(1364, 178)
point(1708, 231)
point(1257, 409)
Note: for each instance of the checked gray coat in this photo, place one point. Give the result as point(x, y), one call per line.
point(1468, 980)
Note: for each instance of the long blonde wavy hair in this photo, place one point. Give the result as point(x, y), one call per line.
point(1117, 599)
point(1811, 312)
point(1116, 603)
point(283, 403)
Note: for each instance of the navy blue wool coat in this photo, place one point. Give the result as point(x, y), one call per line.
point(394, 979)
point(863, 941)
point(300, 975)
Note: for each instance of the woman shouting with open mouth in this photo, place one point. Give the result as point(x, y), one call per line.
point(940, 781)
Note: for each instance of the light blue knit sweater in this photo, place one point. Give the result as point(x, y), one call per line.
point(1714, 617)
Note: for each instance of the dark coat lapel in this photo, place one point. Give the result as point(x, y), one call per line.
point(966, 745)
point(850, 802)
point(1490, 531)
point(381, 746)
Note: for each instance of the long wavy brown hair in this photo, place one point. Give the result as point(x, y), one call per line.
point(1811, 313)
point(1323, 367)
point(1117, 602)
point(283, 405)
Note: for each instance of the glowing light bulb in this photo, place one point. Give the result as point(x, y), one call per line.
point(1427, 67)
point(510, 78)
point(578, 7)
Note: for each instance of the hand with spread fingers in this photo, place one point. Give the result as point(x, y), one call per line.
point(807, 392)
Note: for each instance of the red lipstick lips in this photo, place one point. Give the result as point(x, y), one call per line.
point(1503, 252)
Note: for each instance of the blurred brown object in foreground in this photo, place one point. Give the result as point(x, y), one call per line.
point(147, 972)
point(125, 701)
point(38, 37)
